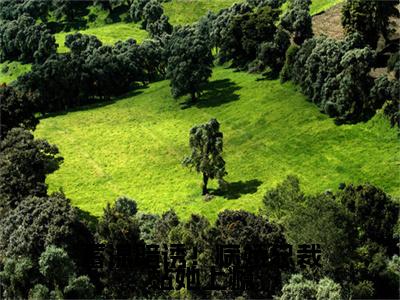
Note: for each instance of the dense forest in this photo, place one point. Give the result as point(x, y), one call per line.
point(325, 224)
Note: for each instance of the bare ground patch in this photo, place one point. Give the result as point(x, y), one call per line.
point(328, 22)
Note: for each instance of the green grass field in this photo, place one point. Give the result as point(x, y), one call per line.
point(9, 71)
point(108, 34)
point(135, 146)
point(189, 11)
point(318, 6)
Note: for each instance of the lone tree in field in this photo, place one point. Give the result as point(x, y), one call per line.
point(206, 143)
point(189, 62)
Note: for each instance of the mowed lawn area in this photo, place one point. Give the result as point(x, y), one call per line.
point(135, 145)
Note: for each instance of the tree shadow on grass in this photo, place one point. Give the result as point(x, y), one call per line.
point(235, 189)
point(217, 92)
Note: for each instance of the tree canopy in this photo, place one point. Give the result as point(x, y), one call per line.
point(370, 19)
point(206, 157)
point(189, 62)
point(24, 164)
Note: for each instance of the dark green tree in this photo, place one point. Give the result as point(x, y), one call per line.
point(189, 62)
point(355, 228)
point(38, 222)
point(110, 5)
point(147, 226)
point(118, 230)
point(36, 9)
point(24, 164)
point(164, 225)
point(159, 27)
point(205, 27)
point(254, 233)
point(71, 11)
point(205, 142)
point(152, 55)
point(17, 109)
point(89, 73)
point(391, 110)
point(272, 54)
point(136, 9)
point(371, 19)
point(297, 20)
point(348, 93)
point(24, 40)
point(245, 34)
point(59, 273)
point(335, 76)
point(152, 12)
point(222, 22)
point(261, 3)
point(290, 57)
point(314, 219)
point(385, 93)
point(375, 216)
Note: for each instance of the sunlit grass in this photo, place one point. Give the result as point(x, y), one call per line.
point(9, 71)
point(135, 146)
point(108, 34)
point(318, 6)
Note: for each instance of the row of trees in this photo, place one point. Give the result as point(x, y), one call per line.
point(336, 74)
point(91, 71)
point(23, 40)
point(70, 11)
point(333, 74)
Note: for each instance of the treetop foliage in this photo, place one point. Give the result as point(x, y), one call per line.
point(23, 40)
point(36, 223)
point(189, 62)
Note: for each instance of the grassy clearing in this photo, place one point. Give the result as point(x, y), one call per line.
point(135, 145)
point(108, 34)
point(189, 11)
point(10, 70)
